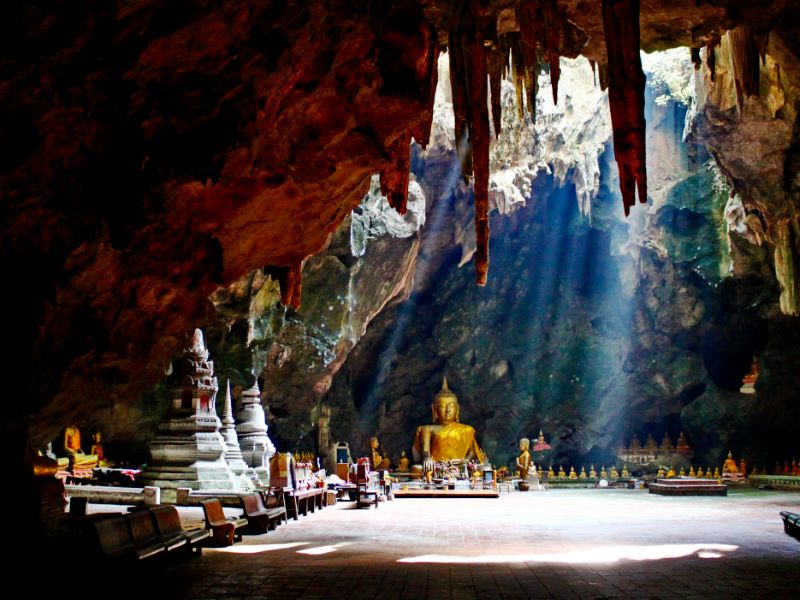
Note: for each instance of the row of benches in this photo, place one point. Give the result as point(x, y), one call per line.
point(144, 533)
point(153, 531)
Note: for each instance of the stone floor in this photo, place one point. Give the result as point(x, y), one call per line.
point(554, 544)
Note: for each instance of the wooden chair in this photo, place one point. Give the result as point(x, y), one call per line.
point(224, 530)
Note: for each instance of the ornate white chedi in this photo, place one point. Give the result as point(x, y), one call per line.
point(251, 425)
point(188, 449)
point(233, 453)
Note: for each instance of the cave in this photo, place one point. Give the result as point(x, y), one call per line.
point(583, 215)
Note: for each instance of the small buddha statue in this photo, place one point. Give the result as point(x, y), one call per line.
point(709, 473)
point(730, 465)
point(404, 464)
point(625, 473)
point(692, 474)
point(446, 438)
point(592, 473)
point(582, 474)
point(524, 458)
point(660, 473)
point(562, 474)
point(682, 472)
point(614, 473)
point(670, 473)
point(551, 474)
point(72, 447)
point(572, 473)
point(97, 450)
point(743, 467)
point(716, 472)
point(700, 472)
point(603, 472)
point(378, 462)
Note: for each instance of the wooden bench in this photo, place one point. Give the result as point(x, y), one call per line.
point(170, 528)
point(144, 536)
point(260, 519)
point(224, 530)
point(791, 523)
point(367, 497)
point(114, 540)
point(300, 502)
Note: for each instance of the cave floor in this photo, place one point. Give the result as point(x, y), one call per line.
point(553, 544)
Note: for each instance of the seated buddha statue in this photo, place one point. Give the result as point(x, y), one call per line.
point(403, 464)
point(446, 438)
point(97, 450)
point(378, 461)
point(730, 465)
point(72, 448)
point(524, 458)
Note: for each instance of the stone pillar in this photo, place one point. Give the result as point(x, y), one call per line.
point(251, 425)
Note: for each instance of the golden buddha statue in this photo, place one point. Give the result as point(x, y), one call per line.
point(614, 472)
point(692, 474)
point(403, 464)
point(660, 473)
point(603, 472)
point(582, 474)
point(97, 450)
point(682, 473)
point(716, 472)
point(72, 447)
point(592, 473)
point(524, 458)
point(446, 438)
point(730, 465)
point(378, 462)
point(562, 474)
point(671, 472)
point(572, 473)
point(551, 474)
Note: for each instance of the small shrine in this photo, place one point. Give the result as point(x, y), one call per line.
point(251, 426)
point(637, 454)
point(188, 449)
point(233, 452)
point(749, 380)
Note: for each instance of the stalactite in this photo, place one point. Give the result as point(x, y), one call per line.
point(745, 51)
point(602, 76)
point(696, 60)
point(711, 61)
point(422, 131)
point(527, 15)
point(552, 37)
point(626, 96)
point(290, 281)
point(460, 94)
point(495, 63)
point(518, 74)
point(394, 178)
point(479, 136)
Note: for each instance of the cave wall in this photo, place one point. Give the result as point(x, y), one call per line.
point(592, 328)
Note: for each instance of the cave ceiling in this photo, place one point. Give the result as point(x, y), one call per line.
point(153, 151)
